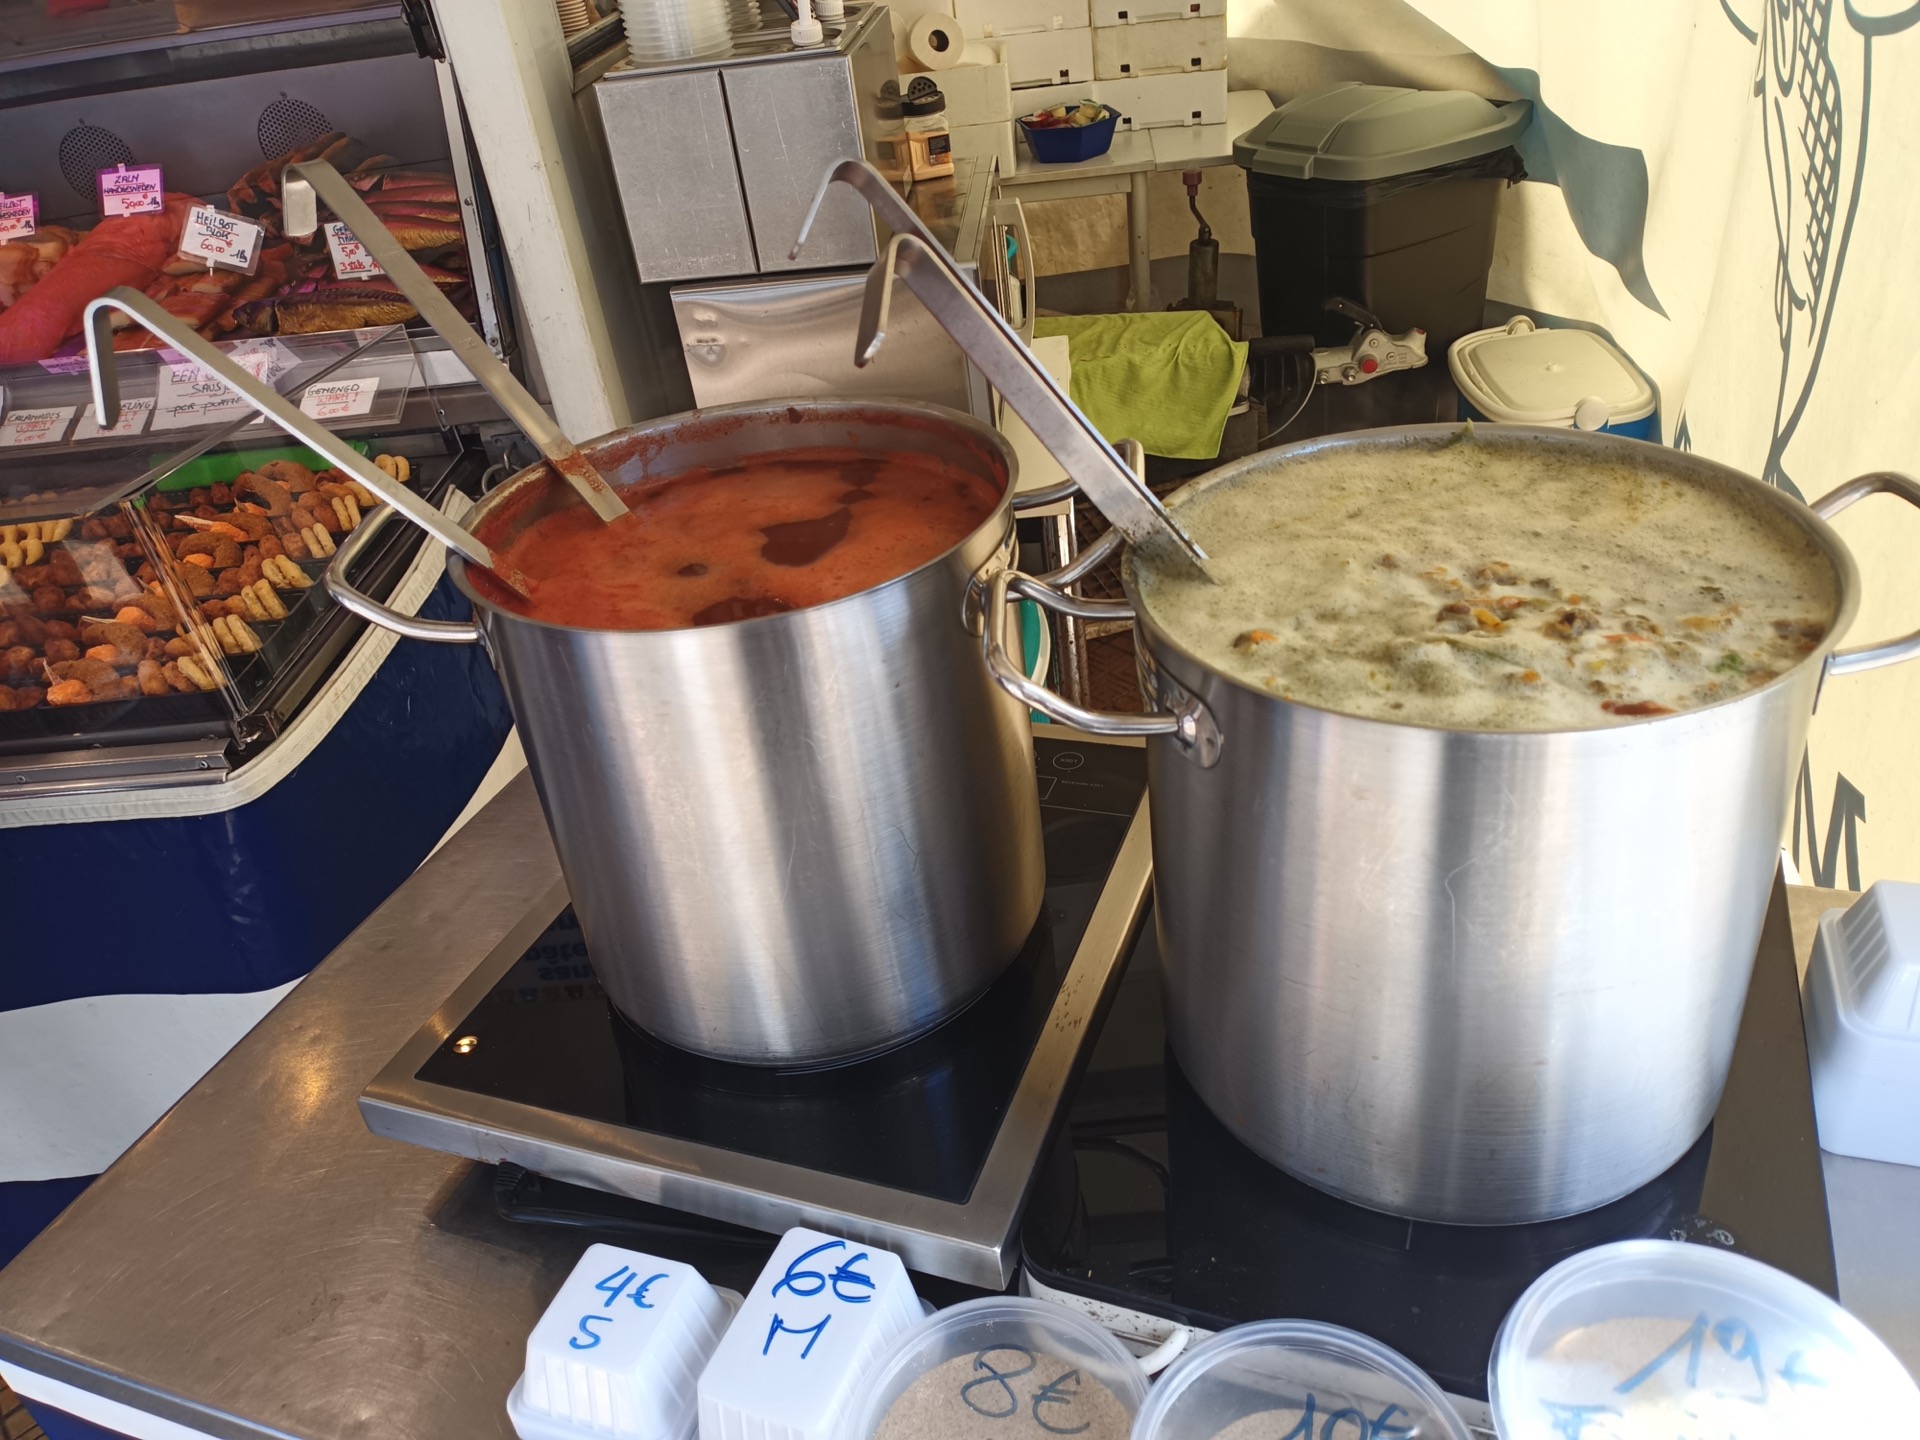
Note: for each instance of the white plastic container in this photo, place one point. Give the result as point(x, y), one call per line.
point(977, 89)
point(996, 19)
point(1048, 57)
point(1652, 1339)
point(1147, 12)
point(1021, 1370)
point(1160, 47)
point(1152, 102)
point(1279, 1378)
point(1863, 1026)
point(795, 1359)
point(618, 1351)
point(1520, 374)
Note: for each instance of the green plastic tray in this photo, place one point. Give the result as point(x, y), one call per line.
point(224, 469)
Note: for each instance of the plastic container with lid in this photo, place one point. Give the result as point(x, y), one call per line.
point(1652, 1339)
point(929, 141)
point(1278, 1378)
point(794, 1362)
point(618, 1351)
point(1863, 1025)
point(1381, 195)
point(1003, 1368)
point(1520, 374)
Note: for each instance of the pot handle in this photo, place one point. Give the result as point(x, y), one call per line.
point(1186, 721)
point(1887, 652)
point(446, 632)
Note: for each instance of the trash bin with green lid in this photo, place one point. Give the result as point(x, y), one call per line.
point(1383, 195)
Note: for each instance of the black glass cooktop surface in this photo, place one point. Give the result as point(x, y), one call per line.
point(919, 1119)
point(1147, 1202)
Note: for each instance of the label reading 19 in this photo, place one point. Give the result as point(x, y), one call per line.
point(846, 1283)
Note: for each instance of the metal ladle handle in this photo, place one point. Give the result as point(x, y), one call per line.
point(307, 182)
point(102, 361)
point(980, 331)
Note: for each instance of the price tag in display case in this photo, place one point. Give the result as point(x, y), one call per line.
point(134, 415)
point(224, 241)
point(132, 190)
point(351, 261)
point(19, 216)
point(340, 399)
point(41, 426)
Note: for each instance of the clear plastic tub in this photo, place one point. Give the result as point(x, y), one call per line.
point(1648, 1339)
point(660, 30)
point(1003, 1368)
point(1279, 1378)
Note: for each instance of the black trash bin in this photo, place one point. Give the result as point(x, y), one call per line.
point(1383, 195)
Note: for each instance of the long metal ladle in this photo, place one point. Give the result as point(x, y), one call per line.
point(978, 329)
point(304, 184)
point(102, 362)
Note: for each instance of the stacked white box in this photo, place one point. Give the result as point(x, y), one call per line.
point(1147, 12)
point(997, 19)
point(1048, 57)
point(977, 89)
point(1162, 47)
point(1148, 102)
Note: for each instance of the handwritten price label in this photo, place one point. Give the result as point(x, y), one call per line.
point(222, 240)
point(351, 261)
point(19, 215)
point(134, 415)
point(132, 190)
point(189, 395)
point(36, 427)
point(338, 399)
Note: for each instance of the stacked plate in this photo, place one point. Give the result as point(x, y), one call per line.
point(677, 29)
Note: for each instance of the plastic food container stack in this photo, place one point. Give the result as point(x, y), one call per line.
point(660, 30)
point(1658, 1339)
point(1278, 1378)
point(1520, 374)
point(1863, 1026)
point(795, 1361)
point(619, 1351)
point(1003, 1368)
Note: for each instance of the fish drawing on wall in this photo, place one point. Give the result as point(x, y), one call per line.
point(1813, 78)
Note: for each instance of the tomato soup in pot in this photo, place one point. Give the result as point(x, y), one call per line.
point(773, 533)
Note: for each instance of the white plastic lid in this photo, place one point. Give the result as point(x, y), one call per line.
point(1277, 1378)
point(1652, 1339)
point(1524, 375)
point(1003, 1368)
point(618, 1350)
point(793, 1363)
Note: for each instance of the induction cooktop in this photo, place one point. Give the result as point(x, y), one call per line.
point(929, 1149)
point(1146, 1204)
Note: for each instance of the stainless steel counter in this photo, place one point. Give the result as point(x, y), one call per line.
point(260, 1265)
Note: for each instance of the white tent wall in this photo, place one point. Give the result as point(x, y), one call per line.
point(1731, 190)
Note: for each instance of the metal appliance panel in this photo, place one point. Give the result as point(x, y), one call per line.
point(762, 339)
point(686, 213)
point(790, 124)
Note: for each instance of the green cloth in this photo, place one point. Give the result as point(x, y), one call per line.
point(1166, 380)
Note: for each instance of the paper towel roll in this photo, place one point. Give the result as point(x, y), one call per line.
point(935, 42)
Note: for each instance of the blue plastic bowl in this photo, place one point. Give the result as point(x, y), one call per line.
point(1063, 144)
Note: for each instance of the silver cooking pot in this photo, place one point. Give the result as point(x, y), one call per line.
point(789, 839)
point(1473, 977)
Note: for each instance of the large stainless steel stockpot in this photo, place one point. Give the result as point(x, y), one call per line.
point(1481, 978)
point(788, 839)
